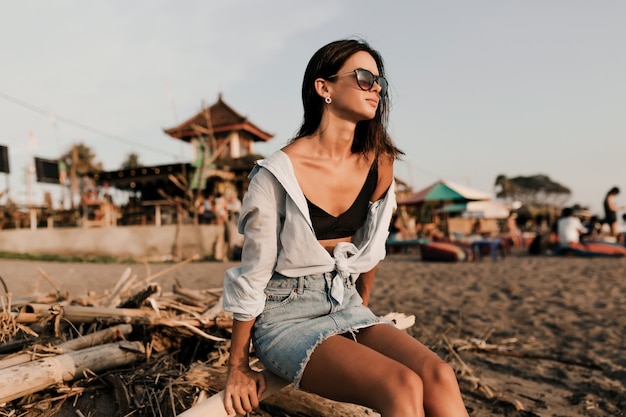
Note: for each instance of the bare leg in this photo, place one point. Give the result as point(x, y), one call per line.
point(442, 396)
point(344, 370)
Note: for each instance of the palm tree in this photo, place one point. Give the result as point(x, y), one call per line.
point(79, 160)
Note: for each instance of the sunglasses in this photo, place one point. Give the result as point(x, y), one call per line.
point(365, 80)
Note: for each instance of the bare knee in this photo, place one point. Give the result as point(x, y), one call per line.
point(402, 394)
point(439, 381)
point(441, 373)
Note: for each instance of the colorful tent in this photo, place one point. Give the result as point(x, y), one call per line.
point(444, 191)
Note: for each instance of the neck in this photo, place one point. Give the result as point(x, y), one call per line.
point(334, 140)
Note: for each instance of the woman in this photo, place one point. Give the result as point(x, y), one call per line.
point(610, 210)
point(315, 219)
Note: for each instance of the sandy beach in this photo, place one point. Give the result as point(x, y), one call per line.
point(534, 336)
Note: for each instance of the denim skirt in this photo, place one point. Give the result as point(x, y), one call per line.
point(300, 314)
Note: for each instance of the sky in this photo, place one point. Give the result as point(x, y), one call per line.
point(478, 88)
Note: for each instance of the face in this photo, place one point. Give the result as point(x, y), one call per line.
point(348, 96)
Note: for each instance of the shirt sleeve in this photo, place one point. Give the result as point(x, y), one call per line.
point(260, 223)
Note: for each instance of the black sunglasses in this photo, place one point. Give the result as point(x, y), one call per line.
point(365, 80)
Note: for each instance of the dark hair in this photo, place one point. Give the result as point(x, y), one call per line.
point(567, 211)
point(613, 191)
point(369, 135)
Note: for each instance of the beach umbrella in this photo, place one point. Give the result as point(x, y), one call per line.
point(444, 191)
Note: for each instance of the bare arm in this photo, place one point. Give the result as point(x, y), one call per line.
point(244, 386)
point(364, 285)
point(240, 343)
point(385, 177)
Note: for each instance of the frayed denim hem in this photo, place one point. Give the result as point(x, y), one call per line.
point(353, 330)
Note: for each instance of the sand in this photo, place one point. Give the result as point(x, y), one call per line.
point(554, 329)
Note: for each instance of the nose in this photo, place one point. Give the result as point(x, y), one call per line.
point(380, 88)
point(376, 87)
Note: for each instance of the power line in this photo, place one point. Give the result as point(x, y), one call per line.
point(79, 125)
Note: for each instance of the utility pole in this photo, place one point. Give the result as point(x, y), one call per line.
point(73, 179)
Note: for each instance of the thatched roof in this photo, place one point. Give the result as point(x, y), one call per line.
point(221, 118)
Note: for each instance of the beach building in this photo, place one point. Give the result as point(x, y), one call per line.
point(223, 143)
point(161, 202)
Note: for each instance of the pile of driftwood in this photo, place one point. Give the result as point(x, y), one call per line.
point(140, 350)
point(151, 351)
point(135, 350)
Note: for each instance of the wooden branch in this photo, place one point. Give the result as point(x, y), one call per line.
point(25, 317)
point(185, 324)
point(194, 297)
point(123, 283)
point(149, 278)
point(211, 313)
point(83, 314)
point(49, 280)
point(15, 345)
point(18, 381)
point(528, 355)
point(107, 335)
point(214, 406)
point(39, 297)
point(300, 403)
point(136, 300)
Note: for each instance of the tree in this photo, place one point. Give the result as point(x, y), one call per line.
point(535, 190)
point(132, 161)
point(79, 160)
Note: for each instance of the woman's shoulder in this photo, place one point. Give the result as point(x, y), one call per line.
point(384, 163)
point(385, 160)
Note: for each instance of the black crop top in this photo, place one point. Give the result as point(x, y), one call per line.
point(346, 224)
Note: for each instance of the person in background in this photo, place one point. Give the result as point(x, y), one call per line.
point(91, 205)
point(593, 225)
point(397, 231)
point(220, 209)
point(233, 206)
point(610, 211)
point(315, 220)
point(476, 229)
point(569, 228)
point(513, 231)
point(206, 213)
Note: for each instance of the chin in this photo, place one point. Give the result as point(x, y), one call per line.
point(367, 114)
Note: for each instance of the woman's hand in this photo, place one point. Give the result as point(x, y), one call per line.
point(243, 389)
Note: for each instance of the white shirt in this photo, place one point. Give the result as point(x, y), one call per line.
point(569, 229)
point(279, 236)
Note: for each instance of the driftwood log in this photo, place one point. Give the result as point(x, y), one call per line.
point(84, 314)
point(214, 406)
point(107, 335)
point(20, 380)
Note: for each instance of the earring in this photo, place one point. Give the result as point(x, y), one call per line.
point(328, 100)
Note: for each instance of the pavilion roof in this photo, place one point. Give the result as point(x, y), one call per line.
point(223, 119)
